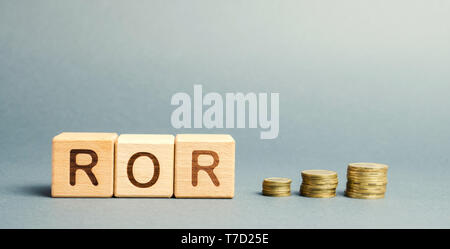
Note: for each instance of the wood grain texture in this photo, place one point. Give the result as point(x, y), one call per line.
point(83, 164)
point(144, 165)
point(199, 159)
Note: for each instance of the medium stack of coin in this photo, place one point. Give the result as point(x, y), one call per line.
point(277, 186)
point(366, 180)
point(319, 183)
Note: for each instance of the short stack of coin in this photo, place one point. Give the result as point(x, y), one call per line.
point(277, 186)
point(366, 180)
point(319, 183)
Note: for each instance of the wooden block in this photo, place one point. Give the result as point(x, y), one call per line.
point(204, 166)
point(83, 164)
point(144, 165)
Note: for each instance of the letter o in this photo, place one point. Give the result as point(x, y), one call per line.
point(130, 170)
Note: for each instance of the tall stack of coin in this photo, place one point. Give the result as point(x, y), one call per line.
point(277, 186)
point(366, 180)
point(319, 183)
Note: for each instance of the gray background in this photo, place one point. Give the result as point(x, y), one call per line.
point(358, 81)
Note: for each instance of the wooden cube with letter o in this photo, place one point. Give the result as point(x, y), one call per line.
point(144, 165)
point(204, 166)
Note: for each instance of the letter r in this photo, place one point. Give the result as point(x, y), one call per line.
point(87, 168)
point(208, 169)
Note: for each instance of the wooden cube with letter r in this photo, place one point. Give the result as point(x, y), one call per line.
point(204, 166)
point(83, 164)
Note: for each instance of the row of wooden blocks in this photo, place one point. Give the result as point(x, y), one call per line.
point(143, 165)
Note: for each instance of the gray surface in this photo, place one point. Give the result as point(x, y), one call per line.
point(358, 81)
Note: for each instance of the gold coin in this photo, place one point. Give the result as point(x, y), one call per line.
point(317, 192)
point(366, 197)
point(374, 188)
point(320, 182)
point(360, 190)
point(360, 180)
point(366, 179)
point(314, 190)
point(276, 187)
point(328, 186)
point(366, 183)
point(324, 186)
point(277, 181)
point(368, 167)
point(277, 194)
point(364, 174)
point(351, 173)
point(277, 191)
point(365, 191)
point(361, 196)
point(318, 195)
point(318, 173)
point(353, 179)
point(306, 179)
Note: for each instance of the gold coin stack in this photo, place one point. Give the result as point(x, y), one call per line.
point(276, 186)
point(319, 183)
point(366, 180)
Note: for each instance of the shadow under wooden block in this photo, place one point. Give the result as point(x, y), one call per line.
point(204, 166)
point(83, 164)
point(144, 165)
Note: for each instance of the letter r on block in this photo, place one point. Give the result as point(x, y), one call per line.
point(208, 169)
point(87, 168)
point(204, 166)
point(83, 164)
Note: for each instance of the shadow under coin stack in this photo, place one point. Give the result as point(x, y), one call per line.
point(319, 183)
point(366, 180)
point(277, 186)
